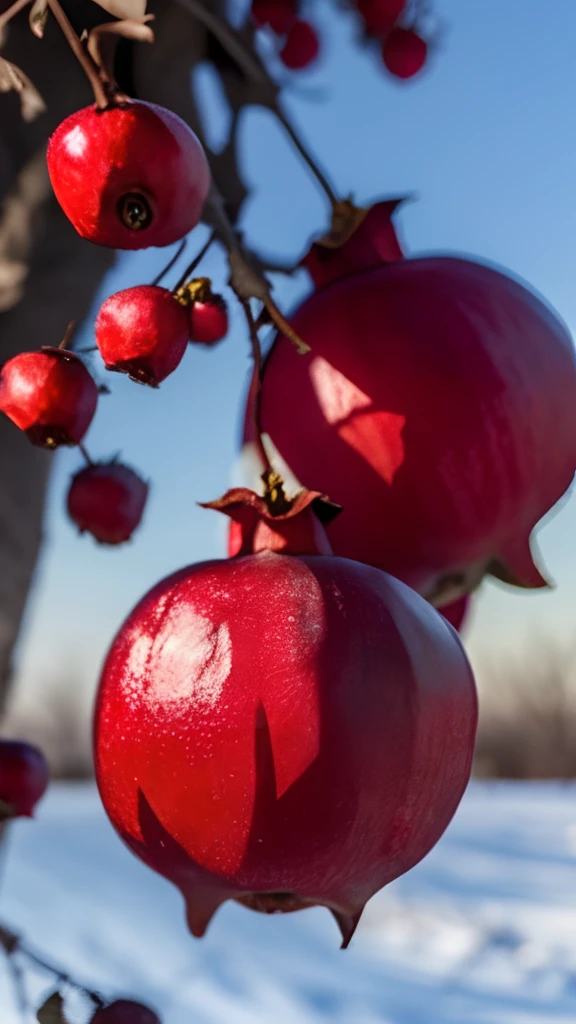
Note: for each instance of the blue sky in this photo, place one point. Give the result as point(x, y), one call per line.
point(487, 142)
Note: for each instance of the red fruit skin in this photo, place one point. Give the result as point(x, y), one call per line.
point(50, 395)
point(380, 15)
point(301, 47)
point(438, 407)
point(284, 731)
point(280, 15)
point(24, 776)
point(404, 53)
point(457, 612)
point(125, 1011)
point(208, 321)
point(97, 157)
point(107, 500)
point(143, 332)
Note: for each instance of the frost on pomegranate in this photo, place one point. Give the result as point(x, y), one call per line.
point(283, 729)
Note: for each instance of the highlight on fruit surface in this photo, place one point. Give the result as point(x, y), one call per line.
point(107, 499)
point(50, 395)
point(446, 435)
point(125, 1011)
point(130, 176)
point(404, 52)
point(143, 332)
point(284, 728)
point(24, 777)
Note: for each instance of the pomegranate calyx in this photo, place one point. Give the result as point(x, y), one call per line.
point(198, 289)
point(275, 522)
point(359, 239)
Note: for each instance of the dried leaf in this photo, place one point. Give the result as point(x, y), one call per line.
point(132, 9)
point(103, 39)
point(38, 17)
point(12, 78)
point(52, 1011)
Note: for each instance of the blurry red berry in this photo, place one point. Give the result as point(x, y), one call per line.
point(380, 15)
point(280, 15)
point(130, 176)
point(50, 395)
point(24, 777)
point(107, 500)
point(404, 52)
point(125, 1011)
point(208, 320)
point(142, 331)
point(301, 47)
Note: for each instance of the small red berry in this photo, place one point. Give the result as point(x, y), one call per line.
point(142, 331)
point(280, 15)
point(50, 395)
point(404, 52)
point(208, 320)
point(129, 176)
point(107, 500)
point(24, 777)
point(301, 47)
point(125, 1011)
point(380, 15)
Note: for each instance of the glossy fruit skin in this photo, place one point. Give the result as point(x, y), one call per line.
point(280, 15)
point(96, 159)
point(125, 1011)
point(108, 501)
point(380, 15)
point(404, 53)
point(301, 48)
point(208, 321)
point(436, 426)
point(24, 776)
point(49, 395)
point(283, 731)
point(143, 332)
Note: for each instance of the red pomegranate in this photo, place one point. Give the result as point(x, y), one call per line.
point(404, 52)
point(24, 776)
point(142, 331)
point(438, 407)
point(283, 729)
point(380, 15)
point(207, 312)
point(280, 15)
point(107, 499)
point(457, 612)
point(50, 395)
point(130, 176)
point(301, 48)
point(125, 1011)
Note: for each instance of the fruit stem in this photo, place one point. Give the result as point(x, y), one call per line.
point(169, 265)
point(197, 259)
point(67, 336)
point(14, 9)
point(88, 64)
point(256, 382)
point(89, 461)
point(305, 154)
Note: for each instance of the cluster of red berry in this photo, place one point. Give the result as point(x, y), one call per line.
point(300, 45)
point(404, 50)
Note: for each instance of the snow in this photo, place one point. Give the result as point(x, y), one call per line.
point(482, 932)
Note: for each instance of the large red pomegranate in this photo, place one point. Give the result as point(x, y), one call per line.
point(438, 406)
point(283, 730)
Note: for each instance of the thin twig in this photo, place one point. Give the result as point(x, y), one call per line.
point(89, 66)
point(197, 259)
point(169, 265)
point(305, 154)
point(19, 5)
point(19, 988)
point(84, 451)
point(256, 382)
point(67, 335)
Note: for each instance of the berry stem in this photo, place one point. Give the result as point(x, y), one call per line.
point(256, 382)
point(169, 265)
point(305, 154)
point(197, 259)
point(21, 998)
point(19, 5)
point(67, 336)
point(84, 451)
point(88, 64)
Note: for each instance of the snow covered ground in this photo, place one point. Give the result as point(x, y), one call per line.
point(482, 932)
